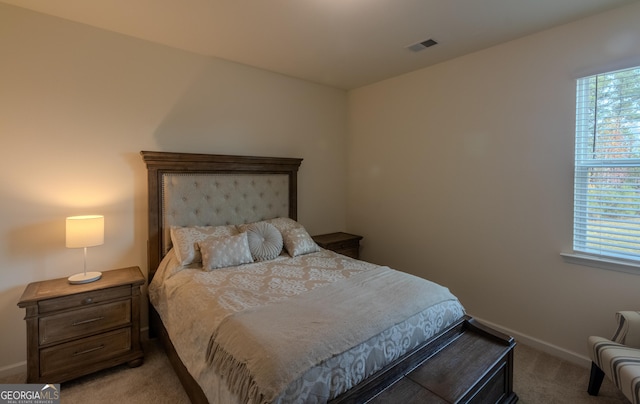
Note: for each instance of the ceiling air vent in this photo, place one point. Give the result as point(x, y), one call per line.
point(422, 45)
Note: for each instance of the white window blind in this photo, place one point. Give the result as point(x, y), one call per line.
point(607, 165)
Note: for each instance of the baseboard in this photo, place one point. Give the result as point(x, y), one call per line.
point(540, 345)
point(13, 370)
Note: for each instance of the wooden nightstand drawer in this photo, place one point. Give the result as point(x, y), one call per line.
point(342, 243)
point(347, 244)
point(86, 321)
point(84, 352)
point(353, 252)
point(83, 299)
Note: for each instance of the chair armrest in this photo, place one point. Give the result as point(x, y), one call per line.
point(628, 331)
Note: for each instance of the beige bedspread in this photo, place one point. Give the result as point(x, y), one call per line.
point(264, 349)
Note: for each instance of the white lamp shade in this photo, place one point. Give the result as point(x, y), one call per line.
point(85, 231)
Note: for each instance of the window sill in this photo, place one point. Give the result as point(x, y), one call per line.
point(603, 263)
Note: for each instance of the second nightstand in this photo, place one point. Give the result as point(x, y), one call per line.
point(342, 243)
point(73, 330)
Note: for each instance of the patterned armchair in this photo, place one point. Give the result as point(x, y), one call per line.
point(618, 358)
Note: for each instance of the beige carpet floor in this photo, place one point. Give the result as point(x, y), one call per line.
point(539, 378)
point(542, 378)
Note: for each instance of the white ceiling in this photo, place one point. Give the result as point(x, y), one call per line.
point(341, 43)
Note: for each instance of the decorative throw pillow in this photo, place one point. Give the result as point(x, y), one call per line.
point(185, 240)
point(298, 242)
point(284, 224)
point(221, 252)
point(265, 241)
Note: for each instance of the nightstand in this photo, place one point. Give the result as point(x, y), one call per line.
point(342, 243)
point(73, 330)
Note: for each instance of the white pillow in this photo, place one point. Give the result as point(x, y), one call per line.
point(265, 241)
point(298, 242)
point(185, 240)
point(284, 224)
point(221, 252)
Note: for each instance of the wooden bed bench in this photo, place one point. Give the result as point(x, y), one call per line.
point(474, 366)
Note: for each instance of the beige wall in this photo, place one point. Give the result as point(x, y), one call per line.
point(78, 104)
point(462, 173)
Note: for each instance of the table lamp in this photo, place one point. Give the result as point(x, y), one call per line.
point(83, 232)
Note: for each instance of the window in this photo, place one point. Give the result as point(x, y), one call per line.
point(607, 166)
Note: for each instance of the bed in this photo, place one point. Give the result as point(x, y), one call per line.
point(249, 309)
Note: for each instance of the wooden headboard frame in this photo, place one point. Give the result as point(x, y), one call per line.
point(160, 163)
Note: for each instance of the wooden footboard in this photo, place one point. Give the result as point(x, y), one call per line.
point(475, 362)
point(396, 370)
point(468, 363)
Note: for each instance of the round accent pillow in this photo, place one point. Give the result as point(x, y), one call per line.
point(265, 241)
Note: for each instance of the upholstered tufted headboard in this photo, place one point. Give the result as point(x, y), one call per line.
point(207, 190)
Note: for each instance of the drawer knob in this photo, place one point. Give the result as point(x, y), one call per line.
point(87, 300)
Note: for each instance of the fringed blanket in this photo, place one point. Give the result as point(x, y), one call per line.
point(262, 350)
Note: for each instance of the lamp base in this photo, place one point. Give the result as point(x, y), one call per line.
point(84, 277)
